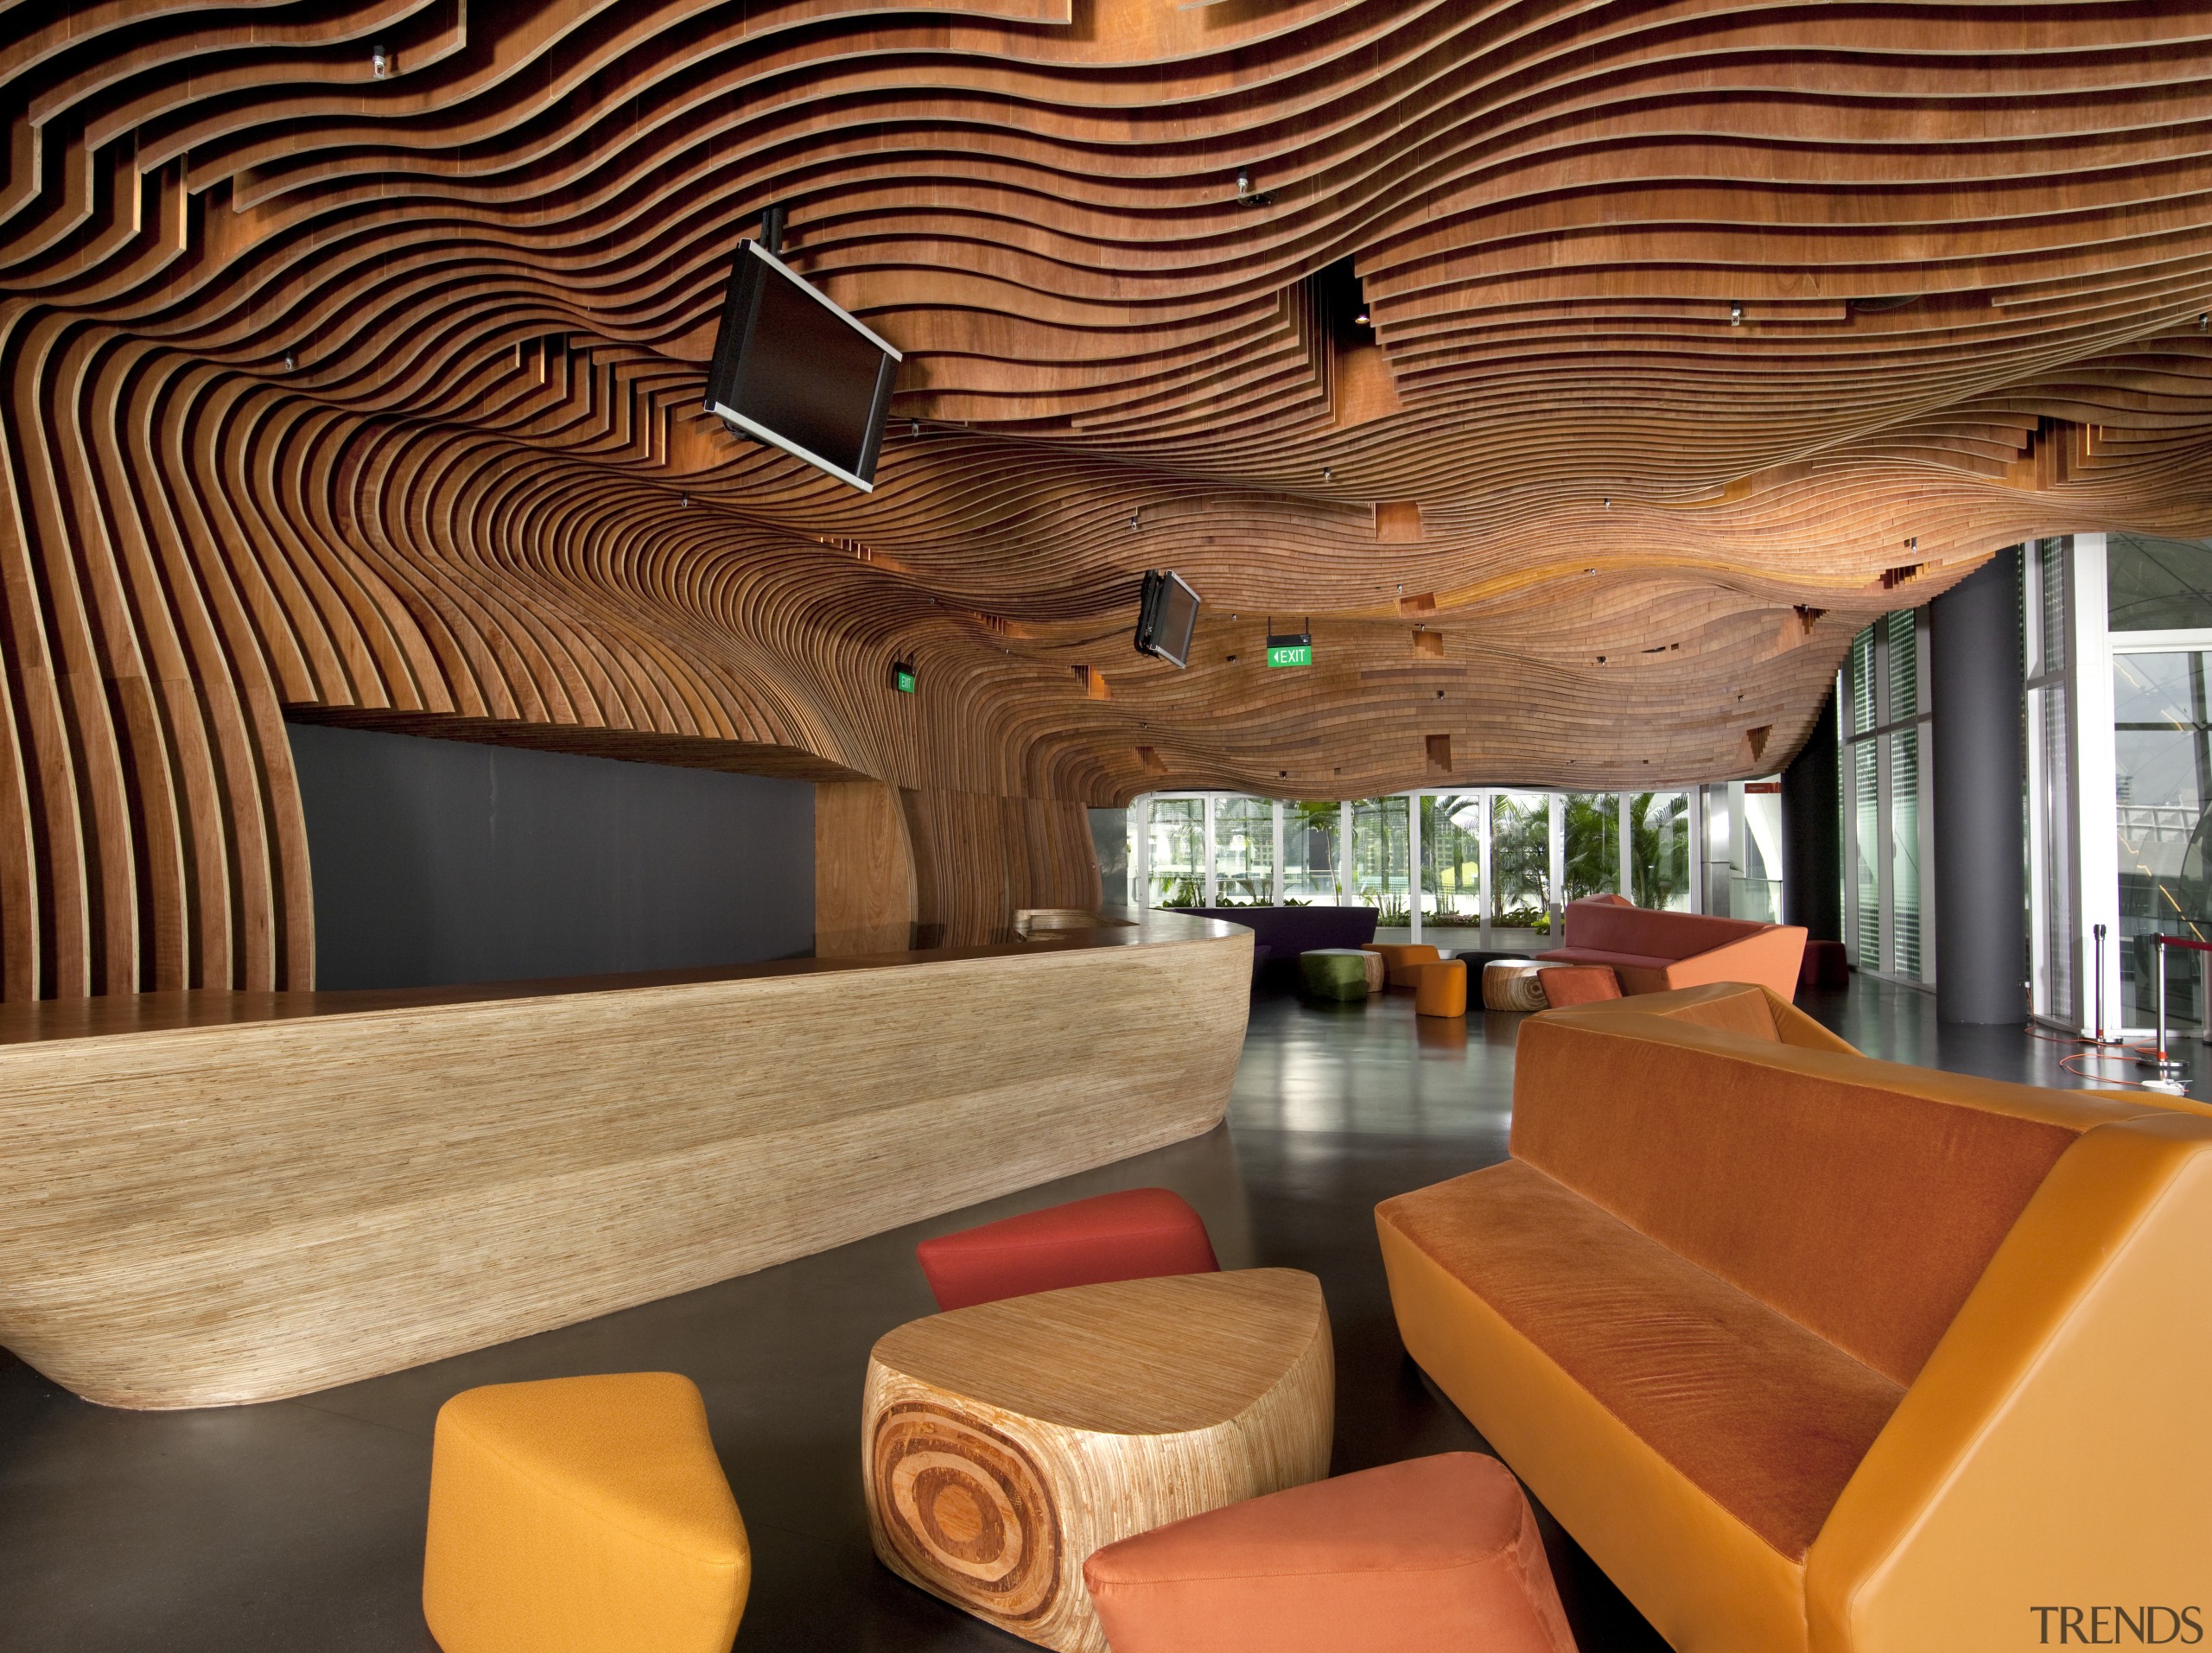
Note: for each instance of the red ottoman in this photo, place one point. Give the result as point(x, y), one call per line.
point(1435, 1556)
point(1580, 984)
point(1131, 1235)
point(1825, 965)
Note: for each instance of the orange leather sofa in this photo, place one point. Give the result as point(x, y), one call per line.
point(1814, 1351)
point(1653, 951)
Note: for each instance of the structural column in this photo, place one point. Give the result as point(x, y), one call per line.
point(1484, 902)
point(1412, 846)
point(1978, 794)
point(1141, 843)
point(1812, 833)
point(1275, 883)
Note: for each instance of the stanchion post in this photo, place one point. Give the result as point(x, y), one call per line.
point(2169, 1072)
point(2159, 960)
point(2097, 980)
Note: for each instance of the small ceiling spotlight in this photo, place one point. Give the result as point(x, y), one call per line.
point(1609, 502)
point(1136, 518)
point(683, 500)
point(1735, 316)
point(1248, 196)
point(1362, 319)
point(1328, 474)
point(913, 427)
point(379, 61)
point(2204, 319)
point(289, 364)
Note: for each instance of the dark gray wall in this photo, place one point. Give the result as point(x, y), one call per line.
point(442, 862)
point(1979, 785)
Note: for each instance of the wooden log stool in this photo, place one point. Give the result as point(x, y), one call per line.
point(1001, 1445)
point(1513, 984)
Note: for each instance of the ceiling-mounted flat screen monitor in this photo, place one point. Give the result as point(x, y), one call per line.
point(1166, 615)
point(793, 368)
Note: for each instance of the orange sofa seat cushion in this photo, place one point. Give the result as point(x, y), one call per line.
point(1442, 989)
point(1435, 1552)
point(1767, 1418)
point(1862, 1199)
point(1580, 984)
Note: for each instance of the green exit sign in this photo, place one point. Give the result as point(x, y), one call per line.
point(902, 675)
point(1290, 649)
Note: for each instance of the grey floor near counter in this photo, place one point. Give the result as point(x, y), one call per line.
point(298, 1525)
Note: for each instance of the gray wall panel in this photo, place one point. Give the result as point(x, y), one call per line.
point(444, 862)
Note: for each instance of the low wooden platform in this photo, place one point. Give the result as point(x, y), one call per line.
point(220, 1198)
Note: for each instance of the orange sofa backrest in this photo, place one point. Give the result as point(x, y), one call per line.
point(1861, 1199)
point(1608, 927)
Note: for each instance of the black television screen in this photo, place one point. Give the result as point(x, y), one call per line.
point(1166, 615)
point(793, 368)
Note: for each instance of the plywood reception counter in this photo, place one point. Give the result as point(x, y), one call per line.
point(222, 1197)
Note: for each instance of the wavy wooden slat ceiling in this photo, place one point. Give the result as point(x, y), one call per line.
point(373, 391)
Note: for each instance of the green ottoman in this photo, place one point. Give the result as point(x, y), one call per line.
point(1335, 972)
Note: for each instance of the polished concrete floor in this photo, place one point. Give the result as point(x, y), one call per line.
point(298, 1525)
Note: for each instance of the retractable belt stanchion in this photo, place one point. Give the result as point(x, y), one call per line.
point(2170, 1072)
point(2097, 985)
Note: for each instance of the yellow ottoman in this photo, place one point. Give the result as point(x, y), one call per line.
point(582, 1514)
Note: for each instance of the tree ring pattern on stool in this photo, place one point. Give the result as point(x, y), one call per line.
point(968, 1509)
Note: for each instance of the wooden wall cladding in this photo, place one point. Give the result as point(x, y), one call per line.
point(240, 1213)
point(978, 859)
point(863, 870)
point(374, 390)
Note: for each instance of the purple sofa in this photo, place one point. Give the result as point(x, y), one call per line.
point(1280, 933)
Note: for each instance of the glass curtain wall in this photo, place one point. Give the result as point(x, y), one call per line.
point(1177, 837)
point(2053, 979)
point(1512, 881)
point(1755, 882)
point(1659, 851)
point(1452, 857)
point(2158, 610)
point(1593, 844)
point(2162, 772)
point(1312, 836)
point(1885, 818)
point(1243, 851)
point(1521, 860)
point(1381, 857)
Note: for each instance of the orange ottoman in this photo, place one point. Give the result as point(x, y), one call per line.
point(1442, 990)
point(1402, 961)
point(1437, 1553)
point(1137, 1234)
point(581, 1514)
point(1580, 984)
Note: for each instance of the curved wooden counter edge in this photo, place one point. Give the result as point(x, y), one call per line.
point(225, 1202)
